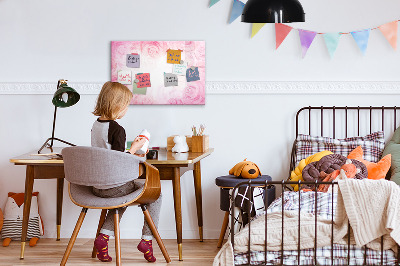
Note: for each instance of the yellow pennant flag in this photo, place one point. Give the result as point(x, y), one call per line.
point(256, 27)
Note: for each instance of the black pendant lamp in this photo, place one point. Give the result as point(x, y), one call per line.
point(273, 11)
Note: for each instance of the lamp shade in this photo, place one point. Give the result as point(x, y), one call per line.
point(65, 96)
point(273, 11)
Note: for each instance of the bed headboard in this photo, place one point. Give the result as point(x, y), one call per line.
point(344, 121)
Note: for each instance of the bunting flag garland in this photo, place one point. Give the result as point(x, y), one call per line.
point(213, 2)
point(237, 9)
point(306, 39)
point(332, 41)
point(281, 31)
point(256, 27)
point(389, 30)
point(361, 37)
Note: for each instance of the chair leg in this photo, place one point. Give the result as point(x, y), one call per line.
point(117, 239)
point(154, 230)
point(223, 229)
point(101, 222)
point(73, 237)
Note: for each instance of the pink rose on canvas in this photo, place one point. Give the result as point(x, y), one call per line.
point(153, 49)
point(142, 99)
point(175, 101)
point(194, 93)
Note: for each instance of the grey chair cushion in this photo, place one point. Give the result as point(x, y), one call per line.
point(99, 167)
point(83, 196)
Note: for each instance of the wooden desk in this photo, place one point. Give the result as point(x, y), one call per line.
point(171, 167)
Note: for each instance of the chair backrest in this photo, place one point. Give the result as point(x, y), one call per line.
point(92, 166)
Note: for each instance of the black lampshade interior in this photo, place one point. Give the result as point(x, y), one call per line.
point(273, 11)
point(65, 96)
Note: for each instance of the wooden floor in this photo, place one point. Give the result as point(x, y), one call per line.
point(50, 252)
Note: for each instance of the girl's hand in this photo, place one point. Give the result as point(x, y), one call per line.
point(137, 144)
point(143, 155)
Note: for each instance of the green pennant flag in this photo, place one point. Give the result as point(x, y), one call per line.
point(213, 2)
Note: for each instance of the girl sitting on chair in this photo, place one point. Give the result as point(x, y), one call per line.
point(112, 104)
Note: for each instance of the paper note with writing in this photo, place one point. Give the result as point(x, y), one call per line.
point(174, 56)
point(192, 74)
point(133, 60)
point(125, 77)
point(136, 90)
point(144, 80)
point(179, 69)
point(170, 80)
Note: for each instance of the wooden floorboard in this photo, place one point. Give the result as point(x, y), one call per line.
point(50, 252)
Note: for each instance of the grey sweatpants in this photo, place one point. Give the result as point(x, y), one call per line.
point(154, 208)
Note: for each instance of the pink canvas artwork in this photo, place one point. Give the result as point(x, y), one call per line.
point(153, 63)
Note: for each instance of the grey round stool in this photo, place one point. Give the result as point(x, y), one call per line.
point(228, 182)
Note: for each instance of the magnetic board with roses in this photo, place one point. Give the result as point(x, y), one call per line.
point(160, 72)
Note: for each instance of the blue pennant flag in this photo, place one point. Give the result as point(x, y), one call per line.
point(332, 41)
point(361, 37)
point(237, 9)
point(213, 2)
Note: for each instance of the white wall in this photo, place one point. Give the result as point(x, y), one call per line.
point(42, 41)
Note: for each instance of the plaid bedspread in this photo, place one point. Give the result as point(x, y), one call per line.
point(307, 202)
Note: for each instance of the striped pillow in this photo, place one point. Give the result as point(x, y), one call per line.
point(372, 145)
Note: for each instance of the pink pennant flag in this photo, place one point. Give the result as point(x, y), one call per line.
point(281, 31)
point(306, 39)
point(389, 30)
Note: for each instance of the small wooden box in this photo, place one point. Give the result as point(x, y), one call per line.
point(200, 143)
point(171, 143)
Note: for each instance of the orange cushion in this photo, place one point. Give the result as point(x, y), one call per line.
point(375, 170)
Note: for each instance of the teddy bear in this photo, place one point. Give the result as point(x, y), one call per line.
point(245, 169)
point(180, 144)
point(13, 215)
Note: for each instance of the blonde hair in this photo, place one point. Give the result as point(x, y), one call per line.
point(112, 99)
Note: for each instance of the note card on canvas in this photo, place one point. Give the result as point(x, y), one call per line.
point(192, 74)
point(179, 69)
point(144, 80)
point(125, 77)
point(170, 80)
point(133, 60)
point(174, 56)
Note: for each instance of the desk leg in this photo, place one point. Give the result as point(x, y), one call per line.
point(27, 206)
point(197, 189)
point(176, 182)
point(60, 190)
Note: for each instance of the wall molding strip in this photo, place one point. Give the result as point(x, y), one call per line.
point(231, 87)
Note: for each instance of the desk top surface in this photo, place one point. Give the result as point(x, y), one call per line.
point(164, 157)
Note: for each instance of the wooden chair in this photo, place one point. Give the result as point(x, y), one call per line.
point(85, 167)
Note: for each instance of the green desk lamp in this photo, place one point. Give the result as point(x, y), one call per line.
point(65, 96)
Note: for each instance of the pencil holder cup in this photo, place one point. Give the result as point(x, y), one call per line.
point(152, 155)
point(200, 143)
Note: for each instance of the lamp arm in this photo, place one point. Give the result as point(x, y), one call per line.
point(54, 126)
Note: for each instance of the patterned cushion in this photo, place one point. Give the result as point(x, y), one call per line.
point(372, 144)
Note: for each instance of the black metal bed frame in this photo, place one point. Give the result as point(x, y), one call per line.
point(283, 184)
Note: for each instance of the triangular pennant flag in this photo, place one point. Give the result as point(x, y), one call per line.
point(389, 30)
point(237, 9)
point(332, 41)
point(306, 39)
point(213, 2)
point(361, 37)
point(256, 27)
point(281, 31)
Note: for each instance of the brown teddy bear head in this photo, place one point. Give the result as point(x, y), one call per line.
point(245, 169)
